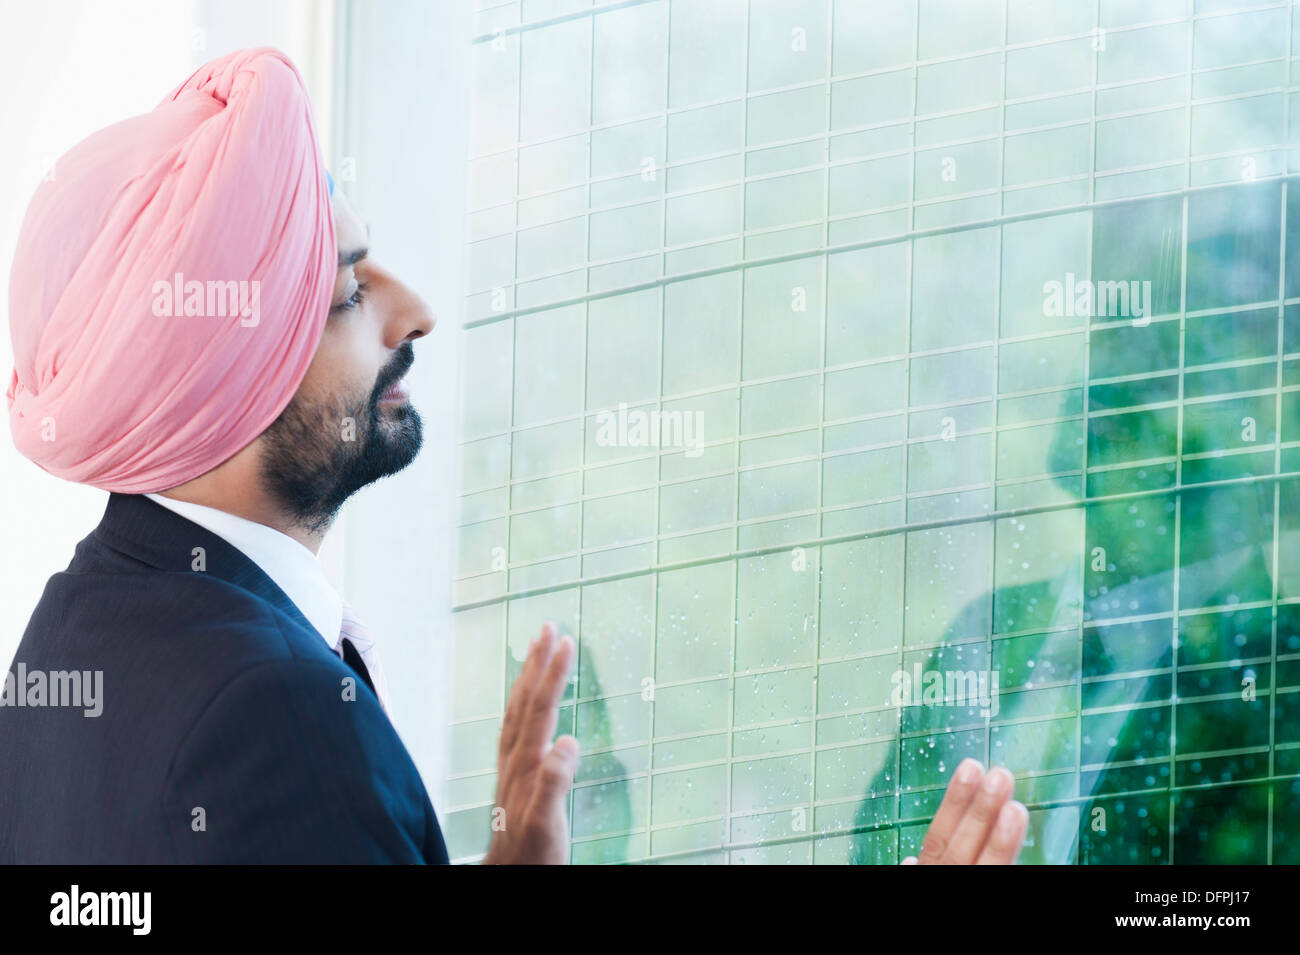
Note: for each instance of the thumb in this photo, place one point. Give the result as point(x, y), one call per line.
point(556, 772)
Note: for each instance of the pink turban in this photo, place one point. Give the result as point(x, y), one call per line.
point(172, 282)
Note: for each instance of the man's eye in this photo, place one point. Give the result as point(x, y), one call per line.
point(354, 300)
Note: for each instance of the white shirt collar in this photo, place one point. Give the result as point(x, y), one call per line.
point(292, 567)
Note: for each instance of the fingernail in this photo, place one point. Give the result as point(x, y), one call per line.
point(997, 781)
point(1010, 816)
point(969, 770)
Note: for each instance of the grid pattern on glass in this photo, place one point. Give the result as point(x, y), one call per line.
point(814, 349)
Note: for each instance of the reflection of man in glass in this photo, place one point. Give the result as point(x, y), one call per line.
point(1137, 674)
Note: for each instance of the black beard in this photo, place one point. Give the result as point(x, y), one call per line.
point(313, 460)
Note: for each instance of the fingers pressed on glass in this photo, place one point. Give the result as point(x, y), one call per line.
point(961, 791)
point(550, 688)
point(1007, 836)
point(547, 647)
point(541, 714)
point(522, 689)
point(973, 831)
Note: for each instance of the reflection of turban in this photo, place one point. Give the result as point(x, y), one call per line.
point(172, 282)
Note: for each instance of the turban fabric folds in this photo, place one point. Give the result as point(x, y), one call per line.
point(172, 281)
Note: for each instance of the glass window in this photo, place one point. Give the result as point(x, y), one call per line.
point(810, 353)
point(788, 42)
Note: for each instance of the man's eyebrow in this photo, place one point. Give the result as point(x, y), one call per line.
point(353, 257)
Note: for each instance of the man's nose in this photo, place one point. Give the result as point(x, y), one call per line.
point(409, 316)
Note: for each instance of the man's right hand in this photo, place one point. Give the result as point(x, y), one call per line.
point(534, 775)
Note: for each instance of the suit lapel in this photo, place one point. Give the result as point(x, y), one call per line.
point(154, 535)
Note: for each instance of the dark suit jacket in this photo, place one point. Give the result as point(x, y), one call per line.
point(225, 735)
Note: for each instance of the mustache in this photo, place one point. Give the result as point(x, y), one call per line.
point(393, 371)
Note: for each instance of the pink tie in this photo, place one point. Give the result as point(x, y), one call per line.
point(353, 629)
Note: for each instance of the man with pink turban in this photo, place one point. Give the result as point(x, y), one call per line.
point(199, 330)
